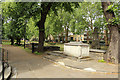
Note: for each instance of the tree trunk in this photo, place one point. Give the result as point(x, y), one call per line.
point(58, 39)
point(88, 37)
point(95, 40)
point(112, 52)
point(44, 12)
point(66, 34)
point(12, 41)
point(49, 38)
point(91, 24)
point(106, 37)
point(62, 37)
point(41, 38)
point(19, 41)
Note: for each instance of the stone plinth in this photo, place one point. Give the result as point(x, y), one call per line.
point(76, 49)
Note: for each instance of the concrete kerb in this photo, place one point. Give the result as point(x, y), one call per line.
point(75, 68)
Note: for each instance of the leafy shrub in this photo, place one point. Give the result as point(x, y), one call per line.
point(84, 41)
point(52, 43)
point(37, 53)
point(101, 60)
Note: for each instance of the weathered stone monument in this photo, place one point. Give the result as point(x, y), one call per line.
point(76, 49)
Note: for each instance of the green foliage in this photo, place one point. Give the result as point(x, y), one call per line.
point(115, 7)
point(31, 30)
point(103, 61)
point(6, 42)
point(16, 23)
point(38, 53)
point(17, 14)
point(21, 19)
point(52, 43)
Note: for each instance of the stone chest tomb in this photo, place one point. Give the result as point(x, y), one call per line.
point(76, 49)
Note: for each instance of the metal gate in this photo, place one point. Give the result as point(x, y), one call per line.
point(3, 59)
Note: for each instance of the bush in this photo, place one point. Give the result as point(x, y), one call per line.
point(101, 61)
point(52, 43)
point(102, 42)
point(90, 42)
point(47, 41)
point(37, 53)
point(84, 41)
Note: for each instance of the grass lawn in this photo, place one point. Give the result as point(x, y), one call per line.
point(7, 42)
point(57, 44)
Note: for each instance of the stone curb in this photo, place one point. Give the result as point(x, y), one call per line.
point(68, 66)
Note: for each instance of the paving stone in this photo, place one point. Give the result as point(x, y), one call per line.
point(85, 63)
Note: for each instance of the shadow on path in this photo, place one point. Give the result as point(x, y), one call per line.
point(24, 61)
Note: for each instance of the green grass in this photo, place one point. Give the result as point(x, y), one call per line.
point(38, 53)
point(103, 61)
point(61, 46)
point(104, 47)
point(46, 44)
point(101, 47)
point(30, 51)
point(6, 43)
point(26, 49)
point(22, 42)
point(57, 44)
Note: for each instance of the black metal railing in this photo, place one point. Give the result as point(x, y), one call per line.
point(4, 59)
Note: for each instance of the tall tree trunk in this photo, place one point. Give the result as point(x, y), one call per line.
point(66, 34)
point(62, 37)
point(12, 41)
point(95, 41)
point(41, 38)
point(44, 12)
point(106, 37)
point(88, 37)
point(49, 38)
point(19, 41)
point(112, 52)
point(58, 38)
point(91, 25)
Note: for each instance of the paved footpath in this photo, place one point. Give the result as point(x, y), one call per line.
point(29, 65)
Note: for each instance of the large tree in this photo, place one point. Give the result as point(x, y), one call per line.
point(15, 19)
point(45, 9)
point(113, 51)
